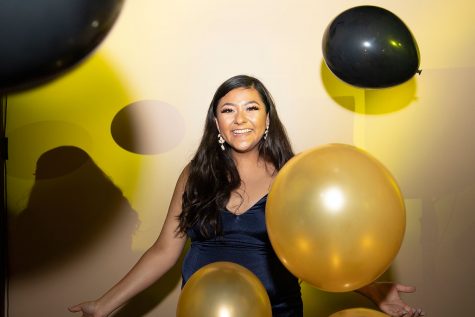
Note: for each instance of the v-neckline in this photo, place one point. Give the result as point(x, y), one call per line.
point(248, 209)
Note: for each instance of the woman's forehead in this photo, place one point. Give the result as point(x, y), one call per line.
point(240, 96)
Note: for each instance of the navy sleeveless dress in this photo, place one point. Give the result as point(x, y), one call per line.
point(245, 242)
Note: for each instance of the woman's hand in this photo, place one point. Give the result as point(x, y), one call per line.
point(386, 296)
point(88, 309)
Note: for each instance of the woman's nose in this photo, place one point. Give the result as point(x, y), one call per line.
point(240, 117)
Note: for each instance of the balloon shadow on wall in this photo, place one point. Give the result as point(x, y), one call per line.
point(69, 111)
point(368, 101)
point(148, 127)
point(72, 209)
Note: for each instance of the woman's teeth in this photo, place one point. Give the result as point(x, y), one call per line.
point(241, 131)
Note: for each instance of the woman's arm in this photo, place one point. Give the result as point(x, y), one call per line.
point(154, 263)
point(386, 296)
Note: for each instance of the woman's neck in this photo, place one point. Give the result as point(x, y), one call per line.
point(247, 159)
point(248, 162)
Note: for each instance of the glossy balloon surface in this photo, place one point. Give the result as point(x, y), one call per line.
point(335, 217)
point(370, 47)
point(41, 39)
point(223, 289)
point(358, 312)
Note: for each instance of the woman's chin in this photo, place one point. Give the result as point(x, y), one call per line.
point(245, 148)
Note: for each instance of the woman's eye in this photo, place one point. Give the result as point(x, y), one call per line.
point(253, 108)
point(226, 110)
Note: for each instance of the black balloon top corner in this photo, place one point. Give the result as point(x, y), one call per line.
point(370, 47)
point(41, 39)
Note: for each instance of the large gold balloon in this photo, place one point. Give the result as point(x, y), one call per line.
point(335, 217)
point(358, 312)
point(223, 289)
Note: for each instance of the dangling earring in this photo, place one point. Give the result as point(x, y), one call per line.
point(266, 132)
point(221, 141)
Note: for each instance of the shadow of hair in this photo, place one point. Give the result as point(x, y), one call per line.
point(72, 205)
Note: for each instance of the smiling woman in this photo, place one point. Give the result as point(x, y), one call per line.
point(242, 119)
point(219, 203)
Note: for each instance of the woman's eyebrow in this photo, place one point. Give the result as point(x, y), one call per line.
point(233, 104)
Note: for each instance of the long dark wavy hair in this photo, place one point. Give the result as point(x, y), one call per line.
point(212, 172)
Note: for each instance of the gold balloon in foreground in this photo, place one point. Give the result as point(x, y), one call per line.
point(335, 217)
point(223, 289)
point(358, 312)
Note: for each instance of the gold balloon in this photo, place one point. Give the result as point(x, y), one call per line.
point(223, 289)
point(358, 312)
point(335, 217)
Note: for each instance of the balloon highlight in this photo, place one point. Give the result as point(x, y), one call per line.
point(41, 39)
point(370, 47)
point(224, 289)
point(335, 217)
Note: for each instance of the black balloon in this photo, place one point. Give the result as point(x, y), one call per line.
point(370, 47)
point(40, 39)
